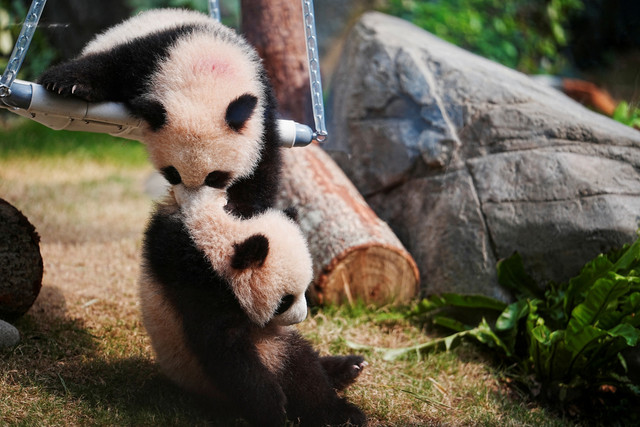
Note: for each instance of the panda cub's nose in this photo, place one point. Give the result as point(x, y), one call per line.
point(285, 304)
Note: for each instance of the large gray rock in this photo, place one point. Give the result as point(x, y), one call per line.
point(469, 161)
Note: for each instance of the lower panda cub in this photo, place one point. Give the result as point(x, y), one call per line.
point(218, 296)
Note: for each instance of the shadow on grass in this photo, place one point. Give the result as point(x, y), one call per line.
point(60, 360)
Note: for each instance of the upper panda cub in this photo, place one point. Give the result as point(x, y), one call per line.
point(218, 294)
point(200, 88)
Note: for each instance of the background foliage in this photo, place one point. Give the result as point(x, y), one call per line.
point(529, 35)
point(41, 53)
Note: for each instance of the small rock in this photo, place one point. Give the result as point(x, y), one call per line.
point(9, 335)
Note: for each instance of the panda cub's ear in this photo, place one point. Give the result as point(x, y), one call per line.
point(252, 252)
point(150, 110)
point(240, 110)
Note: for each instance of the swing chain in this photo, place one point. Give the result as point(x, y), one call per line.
point(214, 10)
point(21, 47)
point(314, 70)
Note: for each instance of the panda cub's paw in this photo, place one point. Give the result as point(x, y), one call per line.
point(67, 79)
point(343, 370)
point(250, 253)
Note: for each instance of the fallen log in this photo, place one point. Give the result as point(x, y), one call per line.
point(21, 265)
point(355, 254)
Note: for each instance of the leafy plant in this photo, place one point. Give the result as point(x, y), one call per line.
point(563, 340)
point(525, 34)
point(627, 114)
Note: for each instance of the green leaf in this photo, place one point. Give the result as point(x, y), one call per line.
point(592, 271)
point(579, 340)
point(511, 315)
point(626, 331)
point(473, 301)
point(601, 297)
point(629, 259)
point(450, 323)
point(511, 275)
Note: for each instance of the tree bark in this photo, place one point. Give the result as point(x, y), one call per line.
point(356, 256)
point(20, 263)
point(276, 29)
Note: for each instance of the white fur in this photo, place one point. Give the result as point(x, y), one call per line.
point(142, 24)
point(259, 290)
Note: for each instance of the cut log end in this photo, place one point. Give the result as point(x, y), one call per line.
point(373, 274)
point(21, 265)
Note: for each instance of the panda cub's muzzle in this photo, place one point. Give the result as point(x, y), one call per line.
point(292, 310)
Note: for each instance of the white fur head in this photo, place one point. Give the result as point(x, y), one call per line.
point(214, 105)
point(272, 292)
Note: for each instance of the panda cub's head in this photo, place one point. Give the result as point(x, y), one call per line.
point(203, 95)
point(211, 133)
point(264, 258)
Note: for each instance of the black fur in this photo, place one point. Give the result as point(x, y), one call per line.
point(153, 112)
point(292, 213)
point(122, 74)
point(254, 194)
point(172, 175)
point(252, 252)
point(220, 335)
point(285, 304)
point(217, 179)
point(240, 110)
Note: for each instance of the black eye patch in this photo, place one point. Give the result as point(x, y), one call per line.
point(217, 179)
point(240, 110)
point(285, 304)
point(171, 174)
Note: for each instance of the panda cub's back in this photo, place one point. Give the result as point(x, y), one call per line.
point(146, 23)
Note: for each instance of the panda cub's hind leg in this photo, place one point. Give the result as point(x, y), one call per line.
point(342, 371)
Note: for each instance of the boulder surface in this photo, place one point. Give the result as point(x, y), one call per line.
point(469, 161)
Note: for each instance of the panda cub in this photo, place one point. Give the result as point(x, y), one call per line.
point(218, 294)
point(202, 92)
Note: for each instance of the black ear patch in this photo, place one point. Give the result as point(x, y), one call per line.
point(172, 175)
point(251, 252)
point(240, 110)
point(217, 179)
point(151, 111)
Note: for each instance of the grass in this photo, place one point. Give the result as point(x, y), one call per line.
point(84, 357)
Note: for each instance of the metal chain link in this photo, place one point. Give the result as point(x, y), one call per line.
point(314, 70)
point(21, 47)
point(214, 10)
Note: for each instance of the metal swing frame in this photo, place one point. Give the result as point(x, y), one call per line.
point(31, 100)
